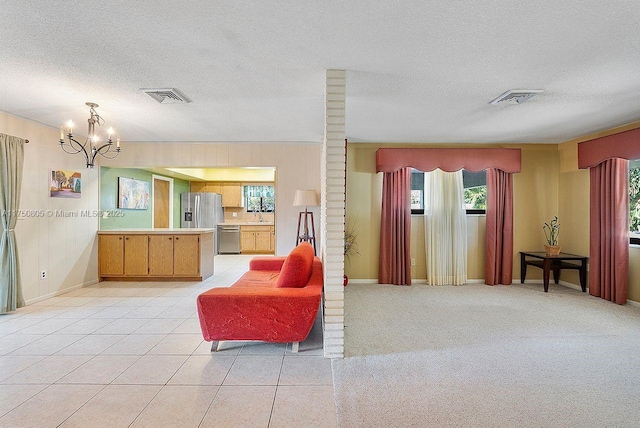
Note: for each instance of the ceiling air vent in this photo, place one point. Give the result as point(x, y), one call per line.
point(166, 95)
point(516, 96)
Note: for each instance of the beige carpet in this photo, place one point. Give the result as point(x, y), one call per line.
point(480, 356)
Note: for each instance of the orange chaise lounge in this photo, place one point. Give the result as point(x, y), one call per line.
point(277, 300)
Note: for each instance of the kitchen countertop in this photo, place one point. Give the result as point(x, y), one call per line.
point(147, 231)
point(246, 223)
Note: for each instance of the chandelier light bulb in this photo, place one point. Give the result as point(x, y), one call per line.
point(70, 126)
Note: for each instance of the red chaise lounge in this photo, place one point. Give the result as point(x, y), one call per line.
point(277, 300)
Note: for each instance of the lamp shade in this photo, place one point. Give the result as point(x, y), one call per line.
point(305, 198)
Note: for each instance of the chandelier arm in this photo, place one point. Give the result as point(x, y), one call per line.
point(100, 151)
point(80, 147)
point(113, 155)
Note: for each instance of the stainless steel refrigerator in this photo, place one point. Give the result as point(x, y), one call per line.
point(201, 210)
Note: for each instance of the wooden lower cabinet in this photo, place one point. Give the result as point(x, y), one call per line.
point(155, 256)
point(111, 249)
point(247, 241)
point(136, 255)
point(186, 255)
point(256, 239)
point(263, 241)
point(160, 255)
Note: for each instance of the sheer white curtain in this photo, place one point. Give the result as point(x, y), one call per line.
point(445, 228)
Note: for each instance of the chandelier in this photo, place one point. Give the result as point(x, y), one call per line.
point(92, 146)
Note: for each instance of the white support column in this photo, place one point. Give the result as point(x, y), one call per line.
point(332, 212)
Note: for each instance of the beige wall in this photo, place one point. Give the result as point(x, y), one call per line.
point(297, 167)
point(549, 184)
point(63, 246)
point(66, 246)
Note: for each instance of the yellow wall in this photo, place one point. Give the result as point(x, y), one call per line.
point(573, 193)
point(634, 274)
point(535, 201)
point(550, 184)
point(364, 199)
point(574, 210)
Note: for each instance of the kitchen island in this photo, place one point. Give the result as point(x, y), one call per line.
point(155, 254)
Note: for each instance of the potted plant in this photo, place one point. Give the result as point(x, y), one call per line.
point(551, 232)
point(350, 245)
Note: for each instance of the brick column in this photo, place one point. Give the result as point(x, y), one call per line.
point(332, 212)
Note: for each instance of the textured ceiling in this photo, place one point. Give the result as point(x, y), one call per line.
point(417, 71)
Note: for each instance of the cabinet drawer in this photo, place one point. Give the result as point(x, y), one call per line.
point(256, 228)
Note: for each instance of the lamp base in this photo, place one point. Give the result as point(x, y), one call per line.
point(304, 232)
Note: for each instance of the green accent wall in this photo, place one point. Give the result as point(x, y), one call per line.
point(124, 218)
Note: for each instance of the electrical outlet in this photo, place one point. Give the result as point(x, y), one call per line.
point(235, 214)
point(43, 274)
point(413, 262)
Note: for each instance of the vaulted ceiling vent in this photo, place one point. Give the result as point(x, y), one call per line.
point(516, 96)
point(166, 95)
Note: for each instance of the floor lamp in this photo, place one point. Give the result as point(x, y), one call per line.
point(306, 198)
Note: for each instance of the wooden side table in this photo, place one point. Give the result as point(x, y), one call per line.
point(547, 263)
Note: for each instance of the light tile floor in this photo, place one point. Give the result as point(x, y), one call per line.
point(130, 354)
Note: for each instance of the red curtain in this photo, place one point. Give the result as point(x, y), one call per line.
point(395, 228)
point(623, 145)
point(609, 229)
point(428, 159)
point(499, 243)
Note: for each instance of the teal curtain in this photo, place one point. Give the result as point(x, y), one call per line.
point(11, 160)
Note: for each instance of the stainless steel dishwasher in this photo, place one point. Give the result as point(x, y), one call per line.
point(228, 239)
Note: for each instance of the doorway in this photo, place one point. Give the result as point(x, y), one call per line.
point(162, 202)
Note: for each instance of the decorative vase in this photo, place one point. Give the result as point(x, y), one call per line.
point(346, 280)
point(552, 250)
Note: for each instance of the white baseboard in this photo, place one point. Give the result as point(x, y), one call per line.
point(413, 281)
point(633, 303)
point(59, 292)
point(363, 281)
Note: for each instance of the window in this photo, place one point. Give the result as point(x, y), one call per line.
point(634, 201)
point(260, 199)
point(417, 192)
point(475, 191)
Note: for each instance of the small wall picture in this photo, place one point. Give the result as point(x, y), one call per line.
point(65, 184)
point(133, 194)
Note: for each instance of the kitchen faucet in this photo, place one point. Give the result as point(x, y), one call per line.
point(260, 219)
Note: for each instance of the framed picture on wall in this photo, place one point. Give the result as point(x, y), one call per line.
point(65, 184)
point(133, 194)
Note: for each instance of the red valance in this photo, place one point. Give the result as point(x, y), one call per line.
point(624, 145)
point(427, 159)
